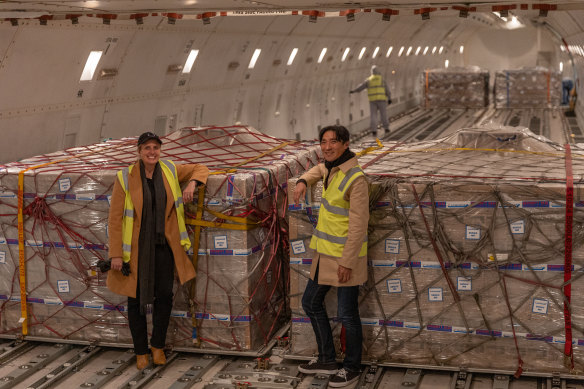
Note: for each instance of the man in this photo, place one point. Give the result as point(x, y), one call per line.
point(340, 258)
point(378, 94)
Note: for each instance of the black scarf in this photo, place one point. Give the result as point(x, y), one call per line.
point(348, 154)
point(151, 233)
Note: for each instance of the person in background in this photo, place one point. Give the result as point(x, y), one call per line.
point(567, 86)
point(378, 94)
point(147, 231)
point(340, 254)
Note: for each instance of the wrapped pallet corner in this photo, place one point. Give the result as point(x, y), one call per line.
point(475, 254)
point(239, 297)
point(466, 87)
point(527, 88)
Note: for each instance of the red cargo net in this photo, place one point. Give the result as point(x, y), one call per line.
point(65, 202)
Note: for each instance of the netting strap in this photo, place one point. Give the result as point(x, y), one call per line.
point(436, 249)
point(21, 254)
point(568, 350)
point(240, 223)
point(232, 169)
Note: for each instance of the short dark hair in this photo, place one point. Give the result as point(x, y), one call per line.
point(341, 133)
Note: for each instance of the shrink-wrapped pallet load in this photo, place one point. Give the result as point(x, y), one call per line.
point(527, 88)
point(475, 254)
point(466, 87)
point(240, 300)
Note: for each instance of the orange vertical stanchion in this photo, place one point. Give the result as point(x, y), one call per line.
point(21, 256)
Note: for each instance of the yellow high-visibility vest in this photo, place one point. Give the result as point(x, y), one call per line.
point(375, 88)
point(169, 170)
point(332, 229)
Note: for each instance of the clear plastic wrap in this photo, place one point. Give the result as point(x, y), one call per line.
point(527, 87)
point(241, 299)
point(466, 253)
point(466, 87)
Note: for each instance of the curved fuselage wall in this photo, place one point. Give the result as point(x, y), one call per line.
point(45, 107)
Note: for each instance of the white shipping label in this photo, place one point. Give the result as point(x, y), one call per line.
point(86, 196)
point(63, 286)
point(498, 256)
point(394, 286)
point(2, 257)
point(473, 233)
point(540, 306)
point(463, 283)
point(220, 242)
point(392, 246)
point(435, 294)
point(64, 184)
point(7, 194)
point(298, 247)
point(518, 227)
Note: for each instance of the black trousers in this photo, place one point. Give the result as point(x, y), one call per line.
point(162, 307)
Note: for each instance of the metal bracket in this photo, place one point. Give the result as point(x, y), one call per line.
point(556, 382)
point(500, 381)
point(462, 380)
point(411, 379)
point(370, 377)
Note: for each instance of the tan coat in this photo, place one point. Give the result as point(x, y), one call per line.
point(358, 197)
point(126, 286)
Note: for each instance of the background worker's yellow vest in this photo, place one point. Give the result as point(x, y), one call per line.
point(169, 170)
point(375, 88)
point(332, 229)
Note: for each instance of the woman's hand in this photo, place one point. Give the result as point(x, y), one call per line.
point(117, 263)
point(189, 192)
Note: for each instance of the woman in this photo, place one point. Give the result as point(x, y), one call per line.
point(147, 231)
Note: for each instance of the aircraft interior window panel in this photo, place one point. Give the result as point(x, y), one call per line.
point(91, 65)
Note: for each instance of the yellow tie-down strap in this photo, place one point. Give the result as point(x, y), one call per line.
point(239, 223)
point(370, 149)
point(233, 169)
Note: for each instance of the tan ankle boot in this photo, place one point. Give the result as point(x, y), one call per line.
point(142, 361)
point(158, 356)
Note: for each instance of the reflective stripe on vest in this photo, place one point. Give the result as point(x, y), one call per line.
point(332, 229)
point(169, 170)
point(375, 88)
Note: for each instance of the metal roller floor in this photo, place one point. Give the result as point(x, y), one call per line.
point(45, 365)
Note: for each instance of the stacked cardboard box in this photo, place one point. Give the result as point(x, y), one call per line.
point(527, 87)
point(240, 299)
point(457, 88)
point(466, 254)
